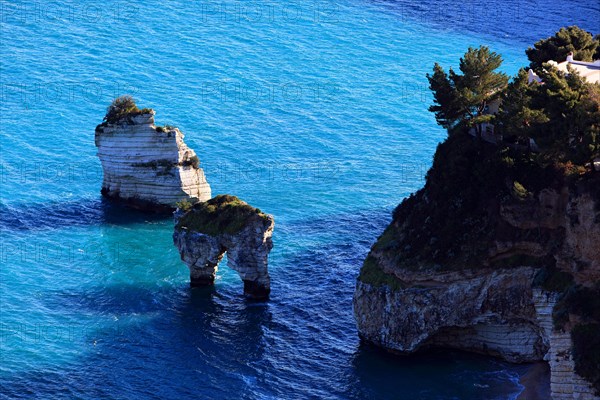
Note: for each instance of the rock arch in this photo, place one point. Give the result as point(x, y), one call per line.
point(222, 225)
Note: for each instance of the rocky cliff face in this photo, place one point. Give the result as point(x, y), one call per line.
point(222, 225)
point(565, 383)
point(489, 312)
point(477, 262)
point(148, 167)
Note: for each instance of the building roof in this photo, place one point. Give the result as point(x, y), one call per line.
point(588, 70)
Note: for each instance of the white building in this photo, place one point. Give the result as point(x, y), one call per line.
point(588, 70)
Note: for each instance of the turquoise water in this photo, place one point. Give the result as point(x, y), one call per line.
point(314, 112)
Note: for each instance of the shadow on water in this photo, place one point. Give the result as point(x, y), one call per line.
point(367, 219)
point(204, 342)
point(171, 341)
point(426, 374)
point(82, 212)
point(97, 211)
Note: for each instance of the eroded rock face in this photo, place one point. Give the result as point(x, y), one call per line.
point(564, 224)
point(496, 311)
point(491, 312)
point(565, 383)
point(148, 167)
point(209, 230)
point(475, 261)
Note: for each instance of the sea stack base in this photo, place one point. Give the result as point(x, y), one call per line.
point(256, 291)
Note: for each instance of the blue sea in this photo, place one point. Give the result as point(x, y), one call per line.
point(316, 112)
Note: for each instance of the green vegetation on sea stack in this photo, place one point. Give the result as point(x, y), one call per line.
point(121, 108)
point(561, 113)
point(221, 214)
point(541, 137)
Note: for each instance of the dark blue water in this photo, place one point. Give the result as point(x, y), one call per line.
point(314, 112)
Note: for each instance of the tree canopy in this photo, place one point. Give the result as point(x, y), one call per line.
point(121, 107)
point(562, 114)
point(516, 117)
point(446, 105)
point(462, 98)
point(583, 45)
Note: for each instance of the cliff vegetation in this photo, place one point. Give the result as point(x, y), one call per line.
point(504, 182)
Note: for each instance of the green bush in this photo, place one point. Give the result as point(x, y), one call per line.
point(165, 128)
point(519, 191)
point(221, 214)
point(388, 239)
point(123, 107)
point(184, 205)
point(372, 274)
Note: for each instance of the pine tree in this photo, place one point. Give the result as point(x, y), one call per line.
point(479, 84)
point(445, 98)
point(462, 99)
point(580, 42)
point(588, 116)
point(516, 117)
point(571, 106)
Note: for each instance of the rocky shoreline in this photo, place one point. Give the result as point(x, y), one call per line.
point(535, 382)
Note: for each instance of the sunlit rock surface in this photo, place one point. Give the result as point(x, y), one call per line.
point(148, 167)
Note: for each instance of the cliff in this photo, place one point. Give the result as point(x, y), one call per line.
point(146, 166)
point(225, 224)
point(497, 255)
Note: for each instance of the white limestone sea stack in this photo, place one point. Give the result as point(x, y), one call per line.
point(147, 166)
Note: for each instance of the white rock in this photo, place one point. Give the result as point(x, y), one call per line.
point(148, 168)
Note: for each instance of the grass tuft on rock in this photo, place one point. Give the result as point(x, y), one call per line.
point(372, 274)
point(221, 214)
